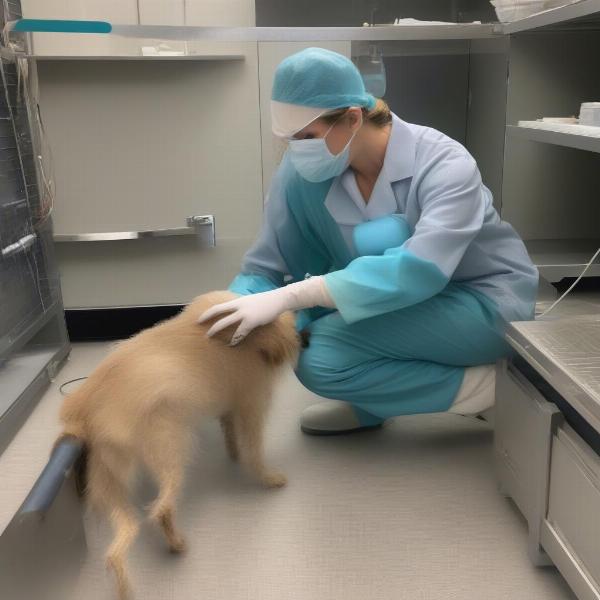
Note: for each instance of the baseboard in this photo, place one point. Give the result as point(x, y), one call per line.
point(99, 324)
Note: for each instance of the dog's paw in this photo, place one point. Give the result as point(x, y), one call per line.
point(274, 480)
point(177, 545)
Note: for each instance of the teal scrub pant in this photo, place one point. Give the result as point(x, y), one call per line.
point(405, 362)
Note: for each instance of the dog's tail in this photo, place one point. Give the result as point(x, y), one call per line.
point(108, 492)
point(102, 474)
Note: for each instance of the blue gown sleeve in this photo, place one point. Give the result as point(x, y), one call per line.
point(245, 284)
point(263, 266)
point(452, 202)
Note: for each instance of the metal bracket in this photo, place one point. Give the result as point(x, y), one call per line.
point(199, 223)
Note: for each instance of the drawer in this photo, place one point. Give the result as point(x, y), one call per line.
point(571, 534)
point(522, 437)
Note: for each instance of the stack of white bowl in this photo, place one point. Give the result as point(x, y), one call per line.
point(513, 10)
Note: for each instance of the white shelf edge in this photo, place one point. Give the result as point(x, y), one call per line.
point(556, 16)
point(557, 138)
point(139, 57)
point(182, 33)
point(556, 259)
point(555, 273)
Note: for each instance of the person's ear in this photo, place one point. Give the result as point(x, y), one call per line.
point(354, 117)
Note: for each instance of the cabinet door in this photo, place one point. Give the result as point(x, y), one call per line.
point(571, 532)
point(219, 13)
point(142, 145)
point(162, 12)
point(116, 11)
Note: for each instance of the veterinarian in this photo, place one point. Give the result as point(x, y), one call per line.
point(385, 233)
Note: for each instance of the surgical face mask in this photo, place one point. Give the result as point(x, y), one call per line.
point(314, 161)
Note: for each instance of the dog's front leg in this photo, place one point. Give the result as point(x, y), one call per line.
point(249, 422)
point(228, 427)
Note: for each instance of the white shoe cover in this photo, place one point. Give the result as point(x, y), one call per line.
point(331, 416)
point(477, 393)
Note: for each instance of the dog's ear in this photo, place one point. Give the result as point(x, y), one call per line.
point(278, 342)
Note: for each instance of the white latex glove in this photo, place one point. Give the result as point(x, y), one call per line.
point(259, 309)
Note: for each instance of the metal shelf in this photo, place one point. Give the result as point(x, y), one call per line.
point(569, 140)
point(316, 34)
point(565, 352)
point(580, 15)
point(557, 259)
point(450, 31)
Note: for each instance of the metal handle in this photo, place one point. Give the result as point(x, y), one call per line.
point(196, 225)
point(19, 246)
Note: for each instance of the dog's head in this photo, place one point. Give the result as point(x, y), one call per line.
point(277, 343)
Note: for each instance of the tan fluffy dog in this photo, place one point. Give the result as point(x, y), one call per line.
point(140, 408)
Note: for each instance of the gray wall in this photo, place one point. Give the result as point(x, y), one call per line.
point(486, 117)
point(476, 10)
point(331, 13)
point(430, 90)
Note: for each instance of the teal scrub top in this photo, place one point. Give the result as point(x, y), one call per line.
point(456, 234)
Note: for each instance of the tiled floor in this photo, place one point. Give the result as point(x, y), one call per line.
point(409, 512)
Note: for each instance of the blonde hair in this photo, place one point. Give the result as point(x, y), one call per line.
point(380, 116)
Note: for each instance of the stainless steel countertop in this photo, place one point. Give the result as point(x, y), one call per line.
point(566, 352)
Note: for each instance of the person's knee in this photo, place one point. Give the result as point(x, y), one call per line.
point(326, 364)
point(316, 373)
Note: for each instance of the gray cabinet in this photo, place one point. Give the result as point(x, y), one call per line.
point(547, 443)
point(571, 530)
point(523, 425)
point(553, 476)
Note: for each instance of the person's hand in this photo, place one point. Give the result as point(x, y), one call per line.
point(249, 311)
point(263, 308)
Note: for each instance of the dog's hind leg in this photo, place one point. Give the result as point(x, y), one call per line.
point(108, 491)
point(165, 454)
point(250, 423)
point(228, 427)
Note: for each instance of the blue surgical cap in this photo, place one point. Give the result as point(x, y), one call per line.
point(320, 78)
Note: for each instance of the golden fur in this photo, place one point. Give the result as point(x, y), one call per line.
point(140, 407)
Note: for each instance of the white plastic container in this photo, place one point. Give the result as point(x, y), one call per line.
point(557, 3)
point(513, 10)
point(563, 120)
point(589, 114)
